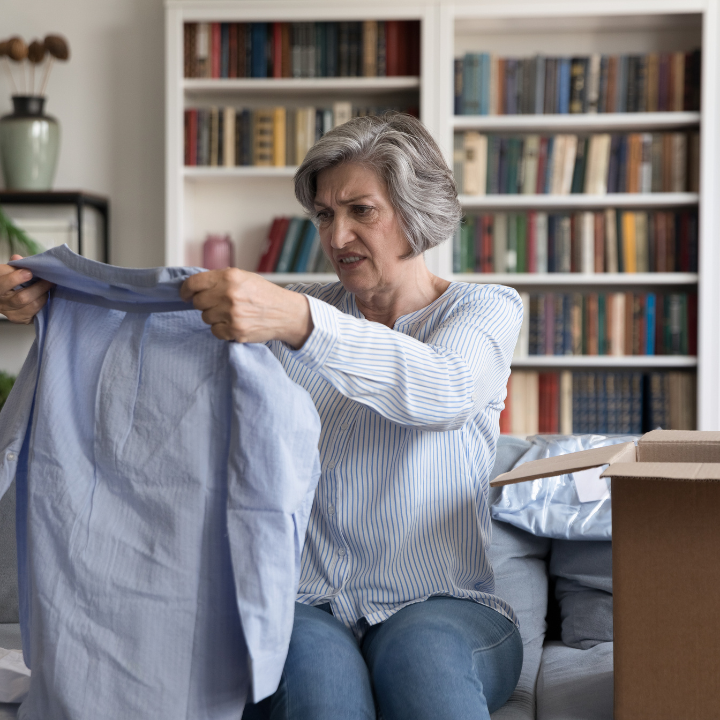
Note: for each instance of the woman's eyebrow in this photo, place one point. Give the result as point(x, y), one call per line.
point(349, 201)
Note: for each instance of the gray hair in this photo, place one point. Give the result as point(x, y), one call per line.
point(405, 156)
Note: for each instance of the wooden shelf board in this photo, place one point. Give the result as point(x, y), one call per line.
point(301, 85)
point(577, 362)
point(578, 279)
point(599, 122)
point(290, 278)
point(569, 202)
point(246, 171)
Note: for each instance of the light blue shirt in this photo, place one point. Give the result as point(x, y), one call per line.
point(409, 430)
point(164, 482)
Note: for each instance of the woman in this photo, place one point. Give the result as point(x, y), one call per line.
point(408, 372)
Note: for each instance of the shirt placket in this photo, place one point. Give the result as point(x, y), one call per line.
point(333, 509)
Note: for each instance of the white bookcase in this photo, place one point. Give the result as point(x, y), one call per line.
point(243, 200)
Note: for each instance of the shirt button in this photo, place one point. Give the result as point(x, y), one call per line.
point(345, 426)
point(11, 456)
point(331, 509)
point(330, 465)
point(479, 586)
point(341, 552)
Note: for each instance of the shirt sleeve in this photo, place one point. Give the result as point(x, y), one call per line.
point(438, 384)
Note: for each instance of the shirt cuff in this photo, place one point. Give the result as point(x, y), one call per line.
point(326, 332)
point(265, 674)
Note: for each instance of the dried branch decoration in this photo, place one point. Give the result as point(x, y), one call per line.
point(57, 46)
point(17, 49)
point(36, 52)
point(52, 48)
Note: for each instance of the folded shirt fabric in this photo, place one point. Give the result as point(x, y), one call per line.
point(164, 483)
point(574, 506)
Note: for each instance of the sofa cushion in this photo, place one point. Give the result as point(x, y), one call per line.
point(10, 636)
point(575, 684)
point(583, 588)
point(518, 561)
point(8, 559)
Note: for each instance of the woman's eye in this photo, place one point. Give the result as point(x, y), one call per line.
point(322, 217)
point(362, 210)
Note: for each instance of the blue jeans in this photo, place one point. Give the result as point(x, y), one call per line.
point(443, 658)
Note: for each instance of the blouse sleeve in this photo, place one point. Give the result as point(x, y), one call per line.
point(438, 384)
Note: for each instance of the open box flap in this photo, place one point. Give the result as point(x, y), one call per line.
point(664, 470)
point(562, 464)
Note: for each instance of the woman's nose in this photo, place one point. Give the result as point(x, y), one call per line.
point(342, 232)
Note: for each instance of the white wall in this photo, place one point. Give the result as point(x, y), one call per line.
point(109, 100)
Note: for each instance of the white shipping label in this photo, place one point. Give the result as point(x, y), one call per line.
point(589, 486)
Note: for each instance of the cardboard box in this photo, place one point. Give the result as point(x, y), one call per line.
point(666, 569)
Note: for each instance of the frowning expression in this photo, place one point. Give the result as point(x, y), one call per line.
point(359, 229)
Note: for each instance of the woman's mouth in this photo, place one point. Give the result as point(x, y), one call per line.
point(350, 261)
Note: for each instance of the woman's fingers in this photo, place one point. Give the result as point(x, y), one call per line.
point(29, 295)
point(18, 304)
point(210, 280)
point(11, 277)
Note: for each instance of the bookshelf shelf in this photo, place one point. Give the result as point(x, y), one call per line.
point(291, 278)
point(243, 200)
point(249, 171)
point(337, 85)
point(577, 362)
point(569, 280)
point(580, 201)
point(597, 122)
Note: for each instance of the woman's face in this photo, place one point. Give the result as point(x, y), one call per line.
point(359, 229)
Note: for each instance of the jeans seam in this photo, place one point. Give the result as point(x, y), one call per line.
point(498, 643)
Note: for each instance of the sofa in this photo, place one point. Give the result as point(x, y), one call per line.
point(560, 680)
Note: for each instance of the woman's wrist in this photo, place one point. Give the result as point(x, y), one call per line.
point(299, 325)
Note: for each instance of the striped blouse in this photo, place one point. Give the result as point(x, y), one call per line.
point(409, 429)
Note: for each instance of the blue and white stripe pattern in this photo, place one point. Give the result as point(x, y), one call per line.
point(409, 428)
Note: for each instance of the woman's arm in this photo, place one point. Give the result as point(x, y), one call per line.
point(437, 384)
point(244, 307)
point(21, 306)
point(434, 385)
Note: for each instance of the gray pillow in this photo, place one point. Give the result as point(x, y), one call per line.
point(8, 559)
point(583, 588)
point(576, 684)
point(518, 561)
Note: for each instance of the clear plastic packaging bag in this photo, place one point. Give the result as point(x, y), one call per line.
point(575, 506)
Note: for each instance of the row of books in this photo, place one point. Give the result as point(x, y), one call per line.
point(611, 323)
point(568, 164)
point(280, 136)
point(598, 402)
point(302, 49)
point(486, 84)
point(588, 242)
point(293, 245)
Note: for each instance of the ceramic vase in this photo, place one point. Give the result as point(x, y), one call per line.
point(29, 145)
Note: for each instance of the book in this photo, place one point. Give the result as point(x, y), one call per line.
point(475, 163)
point(290, 245)
point(228, 159)
point(273, 245)
point(305, 248)
point(530, 161)
point(263, 122)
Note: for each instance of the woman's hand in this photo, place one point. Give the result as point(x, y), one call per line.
point(21, 306)
point(244, 307)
